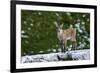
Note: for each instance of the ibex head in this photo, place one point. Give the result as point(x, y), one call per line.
point(59, 27)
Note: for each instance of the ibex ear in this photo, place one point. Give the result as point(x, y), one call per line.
point(61, 25)
point(56, 23)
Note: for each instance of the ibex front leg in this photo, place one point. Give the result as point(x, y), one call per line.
point(65, 46)
point(62, 46)
point(74, 45)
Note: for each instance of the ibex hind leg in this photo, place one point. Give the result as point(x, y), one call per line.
point(74, 45)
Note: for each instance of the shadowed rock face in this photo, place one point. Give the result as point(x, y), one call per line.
point(69, 55)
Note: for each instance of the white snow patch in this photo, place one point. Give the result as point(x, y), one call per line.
point(84, 15)
point(76, 55)
point(41, 51)
point(83, 23)
point(68, 13)
point(81, 45)
point(54, 50)
point(71, 26)
point(40, 13)
point(77, 25)
point(49, 50)
point(80, 30)
point(29, 28)
point(25, 22)
point(57, 14)
point(31, 24)
point(22, 31)
point(24, 36)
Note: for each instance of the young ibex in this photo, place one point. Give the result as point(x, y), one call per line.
point(64, 35)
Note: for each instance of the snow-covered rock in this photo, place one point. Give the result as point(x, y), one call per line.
point(69, 55)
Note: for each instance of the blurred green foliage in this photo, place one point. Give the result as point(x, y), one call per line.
point(39, 35)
